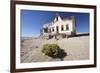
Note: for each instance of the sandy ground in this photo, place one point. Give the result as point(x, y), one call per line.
point(76, 48)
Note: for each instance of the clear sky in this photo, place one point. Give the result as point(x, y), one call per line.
point(32, 21)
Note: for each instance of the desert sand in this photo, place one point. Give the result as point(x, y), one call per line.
point(76, 48)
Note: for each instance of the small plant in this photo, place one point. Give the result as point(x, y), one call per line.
point(52, 50)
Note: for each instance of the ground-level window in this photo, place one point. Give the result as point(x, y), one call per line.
point(67, 27)
point(62, 27)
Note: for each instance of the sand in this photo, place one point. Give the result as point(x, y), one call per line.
point(76, 48)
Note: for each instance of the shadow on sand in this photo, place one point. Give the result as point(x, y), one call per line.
point(61, 55)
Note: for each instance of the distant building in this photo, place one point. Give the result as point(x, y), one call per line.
point(59, 27)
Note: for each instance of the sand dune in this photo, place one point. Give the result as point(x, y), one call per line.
point(77, 48)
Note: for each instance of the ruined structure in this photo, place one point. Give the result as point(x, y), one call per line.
point(59, 28)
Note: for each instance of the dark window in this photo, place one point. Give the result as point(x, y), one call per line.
point(62, 28)
point(57, 28)
point(50, 31)
point(56, 18)
point(53, 29)
point(67, 28)
point(45, 30)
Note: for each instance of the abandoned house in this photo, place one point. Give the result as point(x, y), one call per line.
point(59, 28)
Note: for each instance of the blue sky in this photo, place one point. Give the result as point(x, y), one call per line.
point(32, 21)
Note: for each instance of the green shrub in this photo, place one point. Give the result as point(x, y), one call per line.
point(52, 50)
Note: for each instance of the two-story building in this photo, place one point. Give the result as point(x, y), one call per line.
point(59, 28)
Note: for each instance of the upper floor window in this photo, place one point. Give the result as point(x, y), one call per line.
point(45, 30)
point(53, 29)
point(49, 30)
point(67, 27)
point(62, 27)
point(56, 18)
point(57, 29)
